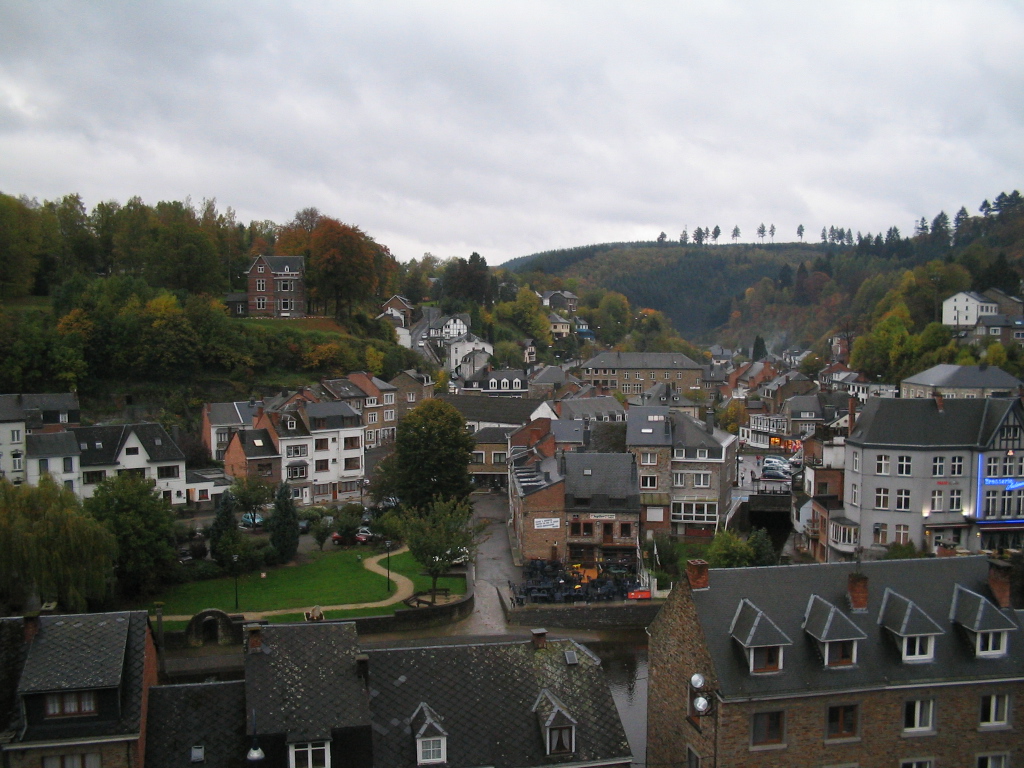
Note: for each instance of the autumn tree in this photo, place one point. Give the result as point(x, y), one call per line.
point(440, 536)
point(341, 264)
point(508, 354)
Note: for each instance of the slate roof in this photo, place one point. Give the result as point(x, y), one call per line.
point(103, 445)
point(256, 443)
point(617, 360)
point(303, 681)
point(1000, 321)
point(493, 435)
point(964, 376)
point(592, 408)
point(211, 715)
point(611, 474)
point(904, 617)
point(511, 374)
point(501, 410)
point(567, 431)
point(342, 389)
point(826, 623)
point(487, 697)
point(552, 374)
point(648, 425)
point(783, 593)
point(51, 444)
point(237, 414)
point(30, 407)
point(963, 422)
point(295, 264)
point(753, 628)
point(972, 611)
point(662, 393)
point(335, 412)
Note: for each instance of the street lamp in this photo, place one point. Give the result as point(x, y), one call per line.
point(387, 547)
point(234, 561)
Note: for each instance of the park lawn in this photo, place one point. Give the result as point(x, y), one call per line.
point(332, 577)
point(406, 565)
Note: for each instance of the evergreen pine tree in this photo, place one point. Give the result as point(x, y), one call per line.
point(284, 525)
point(223, 522)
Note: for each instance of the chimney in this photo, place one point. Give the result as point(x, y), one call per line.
point(857, 591)
point(259, 414)
point(255, 642)
point(697, 574)
point(710, 421)
point(540, 638)
point(852, 407)
point(363, 667)
point(940, 405)
point(999, 582)
point(30, 624)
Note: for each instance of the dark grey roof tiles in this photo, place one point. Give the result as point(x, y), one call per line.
point(648, 425)
point(256, 443)
point(210, 715)
point(753, 628)
point(76, 652)
point(826, 623)
point(303, 681)
point(964, 376)
point(492, 435)
point(600, 408)
point(621, 360)
point(237, 414)
point(485, 697)
point(972, 611)
point(281, 264)
point(52, 444)
point(903, 617)
point(592, 474)
point(102, 445)
point(919, 422)
point(500, 410)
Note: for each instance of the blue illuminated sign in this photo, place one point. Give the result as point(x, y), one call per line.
point(1010, 483)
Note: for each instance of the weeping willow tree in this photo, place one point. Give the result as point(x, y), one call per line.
point(50, 547)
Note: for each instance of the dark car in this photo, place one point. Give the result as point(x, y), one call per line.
point(304, 526)
point(771, 474)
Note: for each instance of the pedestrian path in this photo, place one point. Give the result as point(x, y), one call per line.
point(404, 590)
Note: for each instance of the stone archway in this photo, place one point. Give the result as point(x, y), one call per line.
point(212, 625)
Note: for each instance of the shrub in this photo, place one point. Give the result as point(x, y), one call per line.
point(198, 549)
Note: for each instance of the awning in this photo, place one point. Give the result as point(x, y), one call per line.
point(655, 499)
point(947, 525)
point(297, 464)
point(1004, 527)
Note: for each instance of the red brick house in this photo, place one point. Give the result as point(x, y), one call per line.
point(276, 287)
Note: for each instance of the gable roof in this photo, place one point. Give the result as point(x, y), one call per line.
point(52, 444)
point(904, 617)
point(753, 628)
point(912, 422)
point(592, 408)
point(492, 435)
point(500, 410)
point(102, 446)
point(608, 474)
point(826, 623)
point(673, 360)
point(964, 376)
point(238, 414)
point(212, 715)
point(255, 443)
point(972, 611)
point(295, 264)
point(487, 696)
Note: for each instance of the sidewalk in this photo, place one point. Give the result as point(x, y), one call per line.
point(405, 589)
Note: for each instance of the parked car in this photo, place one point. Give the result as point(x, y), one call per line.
point(772, 474)
point(304, 526)
point(364, 535)
point(251, 520)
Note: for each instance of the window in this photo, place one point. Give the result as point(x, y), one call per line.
point(702, 453)
point(167, 473)
point(990, 502)
point(917, 715)
point(936, 505)
point(649, 459)
point(994, 710)
point(692, 758)
point(133, 451)
point(648, 482)
point(882, 464)
point(498, 457)
point(204, 494)
point(88, 760)
point(1008, 465)
point(856, 461)
point(560, 740)
point(938, 466)
point(903, 466)
point(1000, 760)
point(352, 443)
point(854, 493)
point(17, 463)
point(69, 464)
point(371, 418)
point(371, 401)
point(654, 375)
point(389, 415)
point(695, 512)
point(678, 479)
point(286, 286)
point(841, 653)
point(902, 500)
point(881, 498)
point(44, 466)
point(297, 473)
point(321, 444)
point(94, 478)
point(260, 269)
point(353, 462)
point(992, 466)
point(842, 722)
point(767, 728)
point(956, 466)
point(478, 457)
point(410, 397)
point(701, 479)
point(73, 704)
point(261, 285)
point(15, 435)
point(881, 533)
point(626, 530)
point(314, 754)
point(63, 417)
point(321, 465)
point(264, 470)
point(297, 451)
point(990, 644)
point(261, 302)
point(918, 648)
point(925, 763)
point(766, 659)
point(955, 500)
point(389, 398)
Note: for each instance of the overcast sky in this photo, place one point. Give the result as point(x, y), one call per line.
point(514, 127)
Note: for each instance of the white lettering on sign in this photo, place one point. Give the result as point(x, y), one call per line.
point(547, 522)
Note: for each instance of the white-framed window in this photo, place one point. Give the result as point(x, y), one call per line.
point(881, 498)
point(297, 473)
point(678, 479)
point(499, 457)
point(260, 269)
point(15, 435)
point(261, 285)
point(856, 461)
point(694, 512)
point(881, 533)
point(902, 500)
point(991, 503)
point(297, 451)
point(478, 457)
point(389, 398)
point(314, 754)
point(371, 417)
point(936, 505)
point(992, 466)
point(918, 716)
point(841, 653)
point(882, 464)
point(903, 466)
point(902, 533)
point(990, 644)
point(994, 760)
point(854, 493)
point(702, 453)
point(648, 482)
point(431, 750)
point(389, 415)
point(71, 704)
point(918, 648)
point(648, 459)
point(938, 466)
point(923, 762)
point(410, 397)
point(261, 302)
point(767, 658)
point(956, 466)
point(371, 401)
point(17, 463)
point(287, 305)
point(286, 286)
point(63, 417)
point(701, 479)
point(994, 710)
point(956, 500)
point(561, 740)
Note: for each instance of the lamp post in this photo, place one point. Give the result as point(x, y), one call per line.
point(234, 568)
point(387, 547)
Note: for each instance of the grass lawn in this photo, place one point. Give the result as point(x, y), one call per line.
point(408, 567)
point(332, 577)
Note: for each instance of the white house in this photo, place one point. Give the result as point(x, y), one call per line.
point(145, 450)
point(56, 454)
point(963, 309)
point(459, 347)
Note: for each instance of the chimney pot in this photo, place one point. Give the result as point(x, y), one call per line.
point(30, 623)
point(857, 591)
point(540, 638)
point(363, 667)
point(999, 582)
point(255, 642)
point(697, 574)
point(939, 403)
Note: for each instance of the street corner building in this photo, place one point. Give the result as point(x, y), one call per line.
point(896, 663)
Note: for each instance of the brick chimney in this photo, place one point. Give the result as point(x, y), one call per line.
point(540, 638)
point(999, 582)
point(852, 408)
point(255, 638)
point(857, 591)
point(30, 625)
point(940, 405)
point(697, 574)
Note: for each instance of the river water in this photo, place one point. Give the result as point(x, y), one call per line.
point(624, 659)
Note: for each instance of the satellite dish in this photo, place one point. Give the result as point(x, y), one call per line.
point(701, 704)
point(697, 681)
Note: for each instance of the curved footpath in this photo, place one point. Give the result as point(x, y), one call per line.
point(404, 584)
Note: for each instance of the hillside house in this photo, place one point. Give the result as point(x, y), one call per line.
point(962, 310)
point(276, 286)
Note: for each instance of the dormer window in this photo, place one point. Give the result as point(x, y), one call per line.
point(371, 401)
point(432, 750)
point(840, 653)
point(990, 644)
point(918, 648)
point(835, 632)
point(760, 637)
point(766, 659)
point(702, 453)
point(561, 740)
point(431, 737)
point(914, 629)
point(290, 424)
point(985, 624)
point(557, 726)
point(313, 754)
point(71, 704)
